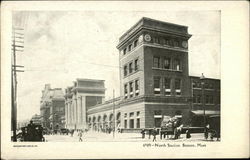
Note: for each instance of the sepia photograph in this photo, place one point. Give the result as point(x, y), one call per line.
point(83, 75)
point(157, 81)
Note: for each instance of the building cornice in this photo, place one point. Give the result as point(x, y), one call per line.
point(149, 23)
point(146, 99)
point(146, 28)
point(86, 89)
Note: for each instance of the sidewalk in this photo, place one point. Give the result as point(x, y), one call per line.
point(122, 137)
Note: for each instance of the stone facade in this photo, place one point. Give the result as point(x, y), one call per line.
point(79, 98)
point(52, 108)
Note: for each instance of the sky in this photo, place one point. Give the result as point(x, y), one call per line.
point(61, 46)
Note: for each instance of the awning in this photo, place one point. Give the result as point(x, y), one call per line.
point(207, 112)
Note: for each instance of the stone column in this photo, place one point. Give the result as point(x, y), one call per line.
point(81, 115)
point(76, 108)
point(66, 112)
point(71, 113)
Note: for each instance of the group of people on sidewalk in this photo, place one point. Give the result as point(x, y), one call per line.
point(152, 132)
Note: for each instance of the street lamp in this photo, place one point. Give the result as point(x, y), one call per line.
point(202, 78)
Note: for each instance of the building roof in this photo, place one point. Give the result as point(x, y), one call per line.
point(89, 80)
point(149, 23)
point(51, 94)
point(197, 77)
point(57, 93)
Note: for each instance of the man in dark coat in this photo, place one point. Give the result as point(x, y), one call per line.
point(154, 133)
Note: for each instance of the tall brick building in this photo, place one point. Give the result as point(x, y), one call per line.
point(154, 80)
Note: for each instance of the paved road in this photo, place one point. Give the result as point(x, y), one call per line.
point(122, 137)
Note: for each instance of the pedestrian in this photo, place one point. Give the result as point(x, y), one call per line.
point(143, 133)
point(206, 131)
point(149, 133)
point(80, 136)
point(188, 135)
point(72, 132)
point(154, 133)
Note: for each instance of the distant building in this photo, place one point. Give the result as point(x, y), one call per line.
point(52, 108)
point(206, 94)
point(79, 98)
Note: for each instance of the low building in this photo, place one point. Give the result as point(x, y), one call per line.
point(79, 98)
point(206, 99)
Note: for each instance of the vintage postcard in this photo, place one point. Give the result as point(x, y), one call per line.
point(124, 79)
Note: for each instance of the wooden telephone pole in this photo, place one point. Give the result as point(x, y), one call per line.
point(17, 46)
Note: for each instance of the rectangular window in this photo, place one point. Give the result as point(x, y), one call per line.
point(138, 113)
point(207, 99)
point(206, 85)
point(131, 114)
point(211, 100)
point(167, 84)
point(129, 47)
point(125, 91)
point(211, 86)
point(130, 67)
point(136, 65)
point(157, 89)
point(198, 98)
point(156, 40)
point(177, 65)
point(124, 51)
point(125, 123)
point(157, 118)
point(158, 122)
point(168, 42)
point(196, 84)
point(138, 123)
point(167, 63)
point(156, 62)
point(125, 115)
point(135, 43)
point(125, 69)
point(194, 99)
point(131, 89)
point(178, 86)
point(137, 87)
point(131, 123)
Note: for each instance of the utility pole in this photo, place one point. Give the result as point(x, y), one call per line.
point(113, 113)
point(17, 46)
